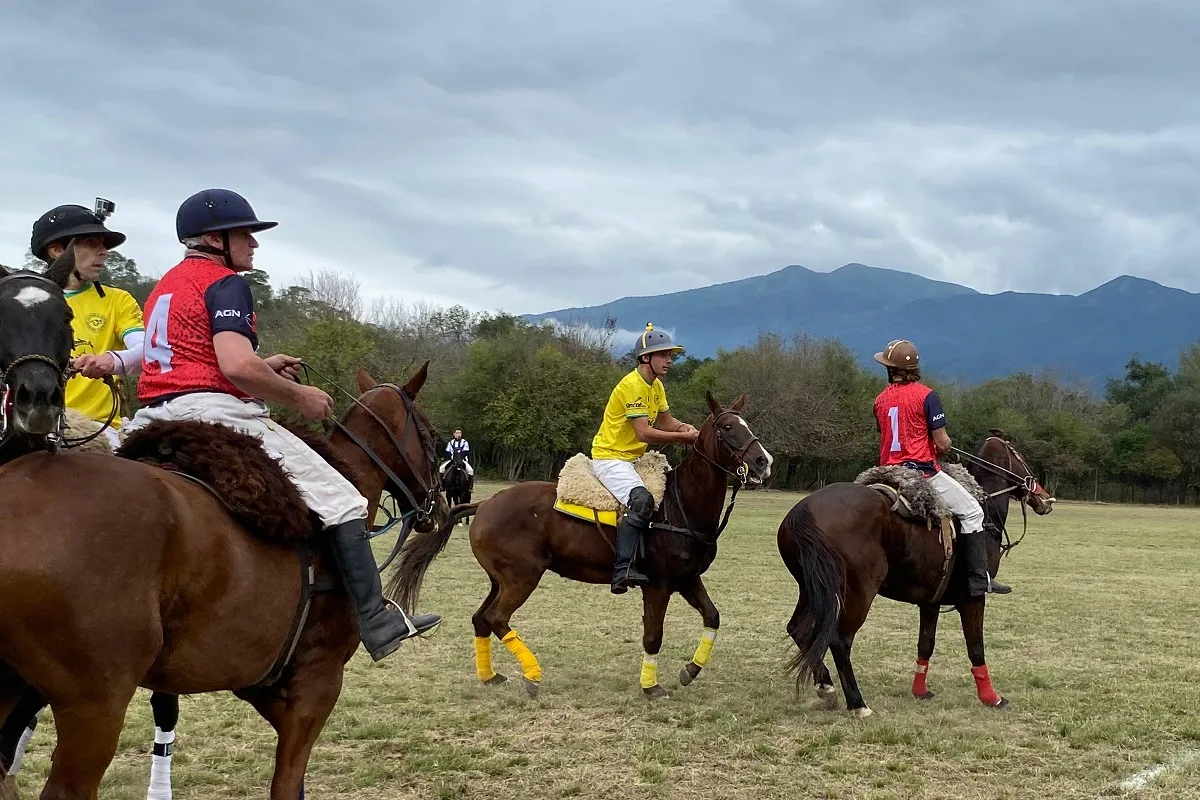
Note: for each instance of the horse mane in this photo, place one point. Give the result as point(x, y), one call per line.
point(253, 486)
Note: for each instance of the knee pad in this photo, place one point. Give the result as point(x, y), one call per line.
point(641, 503)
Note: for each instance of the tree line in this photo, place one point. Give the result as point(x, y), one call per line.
point(529, 396)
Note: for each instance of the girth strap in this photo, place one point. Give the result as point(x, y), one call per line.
point(307, 582)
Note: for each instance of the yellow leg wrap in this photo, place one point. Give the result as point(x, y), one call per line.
point(529, 665)
point(704, 650)
point(649, 671)
point(483, 658)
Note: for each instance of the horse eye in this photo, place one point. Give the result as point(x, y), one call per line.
point(727, 426)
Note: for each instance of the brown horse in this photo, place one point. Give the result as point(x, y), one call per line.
point(141, 577)
point(844, 545)
point(517, 536)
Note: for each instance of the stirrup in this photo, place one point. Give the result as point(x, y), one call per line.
point(408, 623)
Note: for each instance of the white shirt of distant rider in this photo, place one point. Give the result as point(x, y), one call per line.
point(458, 446)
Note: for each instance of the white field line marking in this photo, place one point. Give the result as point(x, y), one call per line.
point(1139, 780)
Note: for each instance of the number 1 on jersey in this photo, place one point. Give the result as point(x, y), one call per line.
point(894, 416)
point(158, 348)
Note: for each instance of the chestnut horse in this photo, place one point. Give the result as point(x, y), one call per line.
point(517, 536)
point(140, 577)
point(844, 546)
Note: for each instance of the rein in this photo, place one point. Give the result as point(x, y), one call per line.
point(419, 512)
point(740, 474)
point(1026, 485)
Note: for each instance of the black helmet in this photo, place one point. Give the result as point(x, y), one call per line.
point(67, 222)
point(216, 210)
point(652, 341)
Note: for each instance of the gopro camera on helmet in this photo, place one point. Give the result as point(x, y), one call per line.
point(104, 208)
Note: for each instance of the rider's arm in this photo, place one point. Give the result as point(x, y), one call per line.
point(936, 418)
point(245, 370)
point(666, 422)
point(231, 317)
point(648, 434)
point(129, 360)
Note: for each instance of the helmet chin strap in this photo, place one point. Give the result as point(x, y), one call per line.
point(213, 251)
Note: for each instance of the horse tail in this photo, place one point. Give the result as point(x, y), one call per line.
point(404, 585)
point(822, 579)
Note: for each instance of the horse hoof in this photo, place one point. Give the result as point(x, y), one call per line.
point(532, 687)
point(1002, 705)
point(926, 696)
point(656, 692)
point(688, 674)
point(495, 680)
point(825, 689)
point(861, 713)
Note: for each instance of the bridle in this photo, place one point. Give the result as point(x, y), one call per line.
point(419, 512)
point(57, 437)
point(1023, 486)
point(741, 475)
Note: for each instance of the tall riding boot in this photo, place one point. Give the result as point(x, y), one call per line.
point(381, 627)
point(629, 534)
point(973, 547)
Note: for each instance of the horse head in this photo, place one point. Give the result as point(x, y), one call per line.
point(35, 350)
point(401, 428)
point(1014, 471)
point(727, 441)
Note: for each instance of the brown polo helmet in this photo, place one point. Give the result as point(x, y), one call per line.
point(900, 354)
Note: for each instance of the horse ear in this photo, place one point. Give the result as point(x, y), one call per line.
point(417, 381)
point(739, 403)
point(365, 382)
point(714, 407)
point(60, 271)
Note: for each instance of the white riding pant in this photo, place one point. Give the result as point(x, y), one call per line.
point(961, 503)
point(619, 477)
point(467, 464)
point(327, 494)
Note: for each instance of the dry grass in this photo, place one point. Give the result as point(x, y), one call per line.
point(1096, 649)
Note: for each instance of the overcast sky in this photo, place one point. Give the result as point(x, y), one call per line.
point(534, 155)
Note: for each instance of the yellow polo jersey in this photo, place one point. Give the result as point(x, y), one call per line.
point(631, 398)
point(100, 324)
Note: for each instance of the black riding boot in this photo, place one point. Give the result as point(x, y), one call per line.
point(973, 547)
point(381, 627)
point(629, 534)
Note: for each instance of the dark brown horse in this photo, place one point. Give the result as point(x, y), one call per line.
point(844, 546)
point(140, 577)
point(517, 536)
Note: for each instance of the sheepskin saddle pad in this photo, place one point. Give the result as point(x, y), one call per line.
point(912, 493)
point(582, 495)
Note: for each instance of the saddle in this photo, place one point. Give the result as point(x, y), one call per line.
point(915, 500)
point(583, 496)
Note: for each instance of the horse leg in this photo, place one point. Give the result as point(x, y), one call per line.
point(88, 731)
point(654, 611)
point(166, 716)
point(511, 597)
point(925, 642)
point(821, 677)
point(298, 715)
point(854, 614)
point(971, 614)
point(18, 729)
point(697, 597)
point(483, 639)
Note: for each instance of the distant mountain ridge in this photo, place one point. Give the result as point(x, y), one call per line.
point(962, 333)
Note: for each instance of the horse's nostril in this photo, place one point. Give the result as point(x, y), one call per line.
point(761, 461)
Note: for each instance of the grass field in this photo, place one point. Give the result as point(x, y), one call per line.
point(1098, 650)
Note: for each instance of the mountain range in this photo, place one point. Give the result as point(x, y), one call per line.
point(962, 334)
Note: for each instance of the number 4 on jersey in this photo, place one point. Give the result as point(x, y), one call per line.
point(158, 347)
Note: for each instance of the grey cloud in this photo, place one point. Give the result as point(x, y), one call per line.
point(536, 155)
